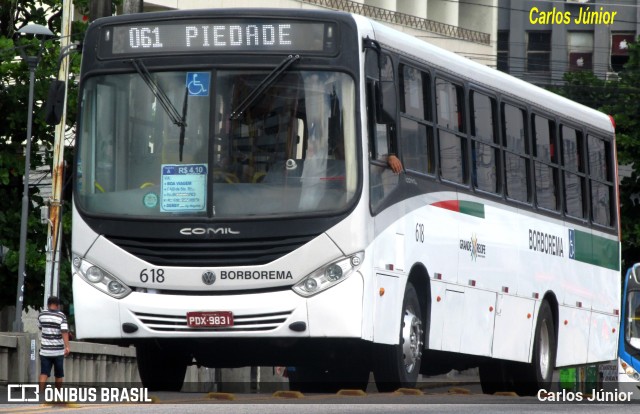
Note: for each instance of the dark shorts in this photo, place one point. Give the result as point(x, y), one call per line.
point(46, 362)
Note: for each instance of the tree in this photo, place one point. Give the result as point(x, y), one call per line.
point(14, 84)
point(621, 99)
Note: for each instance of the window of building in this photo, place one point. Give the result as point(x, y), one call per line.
point(503, 51)
point(516, 161)
point(538, 51)
point(485, 152)
point(620, 50)
point(580, 45)
point(452, 143)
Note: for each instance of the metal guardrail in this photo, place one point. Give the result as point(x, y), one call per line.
point(403, 19)
point(93, 363)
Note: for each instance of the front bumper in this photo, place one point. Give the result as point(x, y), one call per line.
point(336, 312)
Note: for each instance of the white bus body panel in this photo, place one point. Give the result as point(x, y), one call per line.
point(603, 337)
point(317, 253)
point(573, 336)
point(514, 328)
point(335, 312)
point(387, 299)
point(487, 303)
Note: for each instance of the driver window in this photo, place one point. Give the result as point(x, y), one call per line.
point(381, 136)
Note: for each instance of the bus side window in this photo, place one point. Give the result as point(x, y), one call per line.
point(545, 170)
point(416, 126)
point(451, 138)
point(573, 165)
point(382, 140)
point(516, 154)
point(485, 153)
point(601, 173)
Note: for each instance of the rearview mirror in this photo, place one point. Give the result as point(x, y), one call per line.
point(55, 102)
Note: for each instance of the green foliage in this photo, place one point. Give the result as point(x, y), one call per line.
point(621, 99)
point(14, 92)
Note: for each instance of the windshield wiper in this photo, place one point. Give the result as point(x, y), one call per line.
point(161, 96)
point(262, 86)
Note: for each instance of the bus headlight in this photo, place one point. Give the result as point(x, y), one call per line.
point(631, 373)
point(329, 275)
point(94, 274)
point(101, 279)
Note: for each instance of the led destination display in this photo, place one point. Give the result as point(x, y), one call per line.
point(197, 37)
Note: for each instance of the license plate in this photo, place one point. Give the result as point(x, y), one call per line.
point(209, 319)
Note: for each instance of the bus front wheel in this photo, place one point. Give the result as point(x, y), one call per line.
point(396, 366)
point(161, 367)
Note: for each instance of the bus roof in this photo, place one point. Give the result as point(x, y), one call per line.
point(436, 57)
point(467, 69)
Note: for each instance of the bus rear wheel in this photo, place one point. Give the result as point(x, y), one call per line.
point(396, 366)
point(529, 378)
point(161, 367)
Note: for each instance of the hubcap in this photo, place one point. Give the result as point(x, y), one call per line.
point(411, 340)
point(544, 350)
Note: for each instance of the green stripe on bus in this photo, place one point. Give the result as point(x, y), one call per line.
point(597, 250)
point(471, 208)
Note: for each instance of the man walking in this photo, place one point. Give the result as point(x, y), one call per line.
point(54, 342)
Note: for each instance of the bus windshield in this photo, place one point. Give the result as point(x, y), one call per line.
point(633, 319)
point(293, 150)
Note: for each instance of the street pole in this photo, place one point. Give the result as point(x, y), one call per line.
point(54, 225)
point(17, 325)
point(32, 64)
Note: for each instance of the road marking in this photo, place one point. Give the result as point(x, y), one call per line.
point(221, 396)
point(408, 391)
point(458, 390)
point(288, 394)
point(352, 393)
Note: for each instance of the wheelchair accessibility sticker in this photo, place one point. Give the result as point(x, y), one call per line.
point(198, 83)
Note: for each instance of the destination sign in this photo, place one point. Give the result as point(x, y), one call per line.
point(219, 36)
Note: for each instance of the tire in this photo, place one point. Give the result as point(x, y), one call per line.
point(538, 374)
point(161, 368)
point(397, 366)
point(495, 377)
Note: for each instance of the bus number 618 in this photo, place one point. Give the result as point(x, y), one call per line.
point(152, 275)
point(419, 232)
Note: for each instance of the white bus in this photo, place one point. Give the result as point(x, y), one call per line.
point(233, 205)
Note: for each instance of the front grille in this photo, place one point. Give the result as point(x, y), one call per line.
point(241, 323)
point(212, 253)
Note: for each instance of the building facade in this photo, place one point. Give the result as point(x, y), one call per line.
point(541, 40)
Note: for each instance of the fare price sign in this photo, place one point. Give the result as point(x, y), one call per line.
point(272, 35)
point(184, 188)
